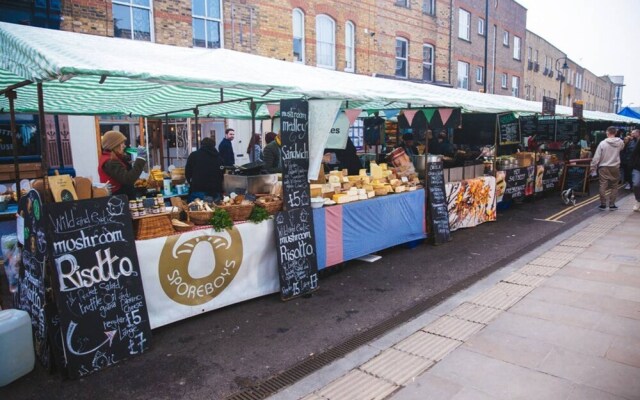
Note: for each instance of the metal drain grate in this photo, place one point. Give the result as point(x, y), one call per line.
point(269, 386)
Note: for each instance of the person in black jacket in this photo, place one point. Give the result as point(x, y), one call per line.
point(204, 171)
point(347, 159)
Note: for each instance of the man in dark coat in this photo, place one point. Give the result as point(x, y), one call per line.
point(226, 149)
point(204, 171)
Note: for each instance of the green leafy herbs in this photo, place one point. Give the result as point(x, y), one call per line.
point(221, 220)
point(259, 214)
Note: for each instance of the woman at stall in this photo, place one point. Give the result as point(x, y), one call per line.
point(114, 166)
point(254, 150)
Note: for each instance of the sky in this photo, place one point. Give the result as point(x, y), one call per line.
point(602, 36)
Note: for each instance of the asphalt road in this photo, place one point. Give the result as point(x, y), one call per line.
point(222, 352)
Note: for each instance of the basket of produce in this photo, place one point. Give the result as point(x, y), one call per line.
point(199, 212)
point(238, 208)
point(182, 226)
point(272, 204)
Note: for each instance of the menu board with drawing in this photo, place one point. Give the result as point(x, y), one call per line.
point(97, 283)
point(32, 290)
point(294, 117)
point(437, 201)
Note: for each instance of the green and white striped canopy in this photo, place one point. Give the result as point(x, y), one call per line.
point(144, 79)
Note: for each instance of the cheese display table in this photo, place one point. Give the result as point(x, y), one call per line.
point(352, 230)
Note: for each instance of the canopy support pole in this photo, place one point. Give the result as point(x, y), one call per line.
point(44, 157)
point(253, 108)
point(166, 129)
point(146, 142)
point(12, 95)
point(196, 112)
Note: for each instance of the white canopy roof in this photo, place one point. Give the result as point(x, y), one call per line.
point(142, 78)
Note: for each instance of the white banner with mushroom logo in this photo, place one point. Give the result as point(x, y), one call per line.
point(203, 270)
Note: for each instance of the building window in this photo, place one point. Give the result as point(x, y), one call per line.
point(529, 51)
point(427, 63)
point(516, 47)
point(402, 58)
point(325, 42)
point(464, 24)
point(463, 75)
point(505, 38)
point(429, 7)
point(479, 74)
point(349, 46)
point(298, 35)
point(403, 3)
point(534, 94)
point(503, 81)
point(535, 56)
point(515, 86)
point(480, 26)
point(132, 19)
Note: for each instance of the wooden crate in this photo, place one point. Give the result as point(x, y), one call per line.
point(27, 171)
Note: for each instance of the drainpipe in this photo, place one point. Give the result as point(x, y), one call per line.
point(486, 42)
point(450, 37)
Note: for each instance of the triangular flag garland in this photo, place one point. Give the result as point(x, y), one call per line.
point(428, 113)
point(352, 114)
point(445, 114)
point(409, 114)
point(391, 113)
point(273, 109)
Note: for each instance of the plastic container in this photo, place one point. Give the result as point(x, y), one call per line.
point(16, 345)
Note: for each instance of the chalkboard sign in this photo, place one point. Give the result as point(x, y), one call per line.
point(437, 202)
point(516, 183)
point(508, 128)
point(294, 117)
point(576, 177)
point(578, 107)
point(546, 130)
point(32, 290)
point(297, 262)
point(549, 176)
point(97, 283)
point(567, 130)
point(528, 125)
point(548, 106)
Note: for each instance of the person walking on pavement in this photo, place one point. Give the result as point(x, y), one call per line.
point(630, 143)
point(635, 172)
point(606, 161)
point(226, 149)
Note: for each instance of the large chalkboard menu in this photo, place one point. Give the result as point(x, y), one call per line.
point(298, 267)
point(528, 125)
point(437, 203)
point(508, 129)
point(516, 183)
point(548, 106)
point(97, 283)
point(577, 109)
point(294, 117)
point(32, 289)
point(567, 130)
point(546, 129)
point(576, 177)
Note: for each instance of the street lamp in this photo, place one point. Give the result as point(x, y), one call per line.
point(565, 67)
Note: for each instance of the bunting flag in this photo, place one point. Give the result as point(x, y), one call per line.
point(445, 114)
point(428, 113)
point(371, 112)
point(391, 113)
point(352, 114)
point(409, 114)
point(273, 109)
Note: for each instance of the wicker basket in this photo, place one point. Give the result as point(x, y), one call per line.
point(200, 217)
point(238, 212)
point(179, 228)
point(272, 207)
point(153, 227)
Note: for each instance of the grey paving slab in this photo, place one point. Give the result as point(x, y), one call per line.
point(428, 387)
point(537, 270)
point(625, 259)
point(625, 351)
point(570, 337)
point(619, 326)
point(593, 288)
point(510, 348)
point(499, 379)
point(615, 277)
point(567, 249)
point(591, 255)
point(592, 264)
point(471, 394)
point(629, 269)
point(582, 392)
point(561, 313)
point(597, 372)
point(617, 250)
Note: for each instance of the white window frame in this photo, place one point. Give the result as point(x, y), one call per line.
point(529, 52)
point(503, 81)
point(464, 24)
point(505, 38)
point(481, 26)
point(325, 40)
point(297, 32)
point(517, 43)
point(463, 75)
point(429, 64)
point(479, 74)
point(404, 58)
point(350, 46)
point(429, 7)
point(515, 86)
point(132, 5)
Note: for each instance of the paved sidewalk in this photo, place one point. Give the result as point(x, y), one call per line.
point(562, 322)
